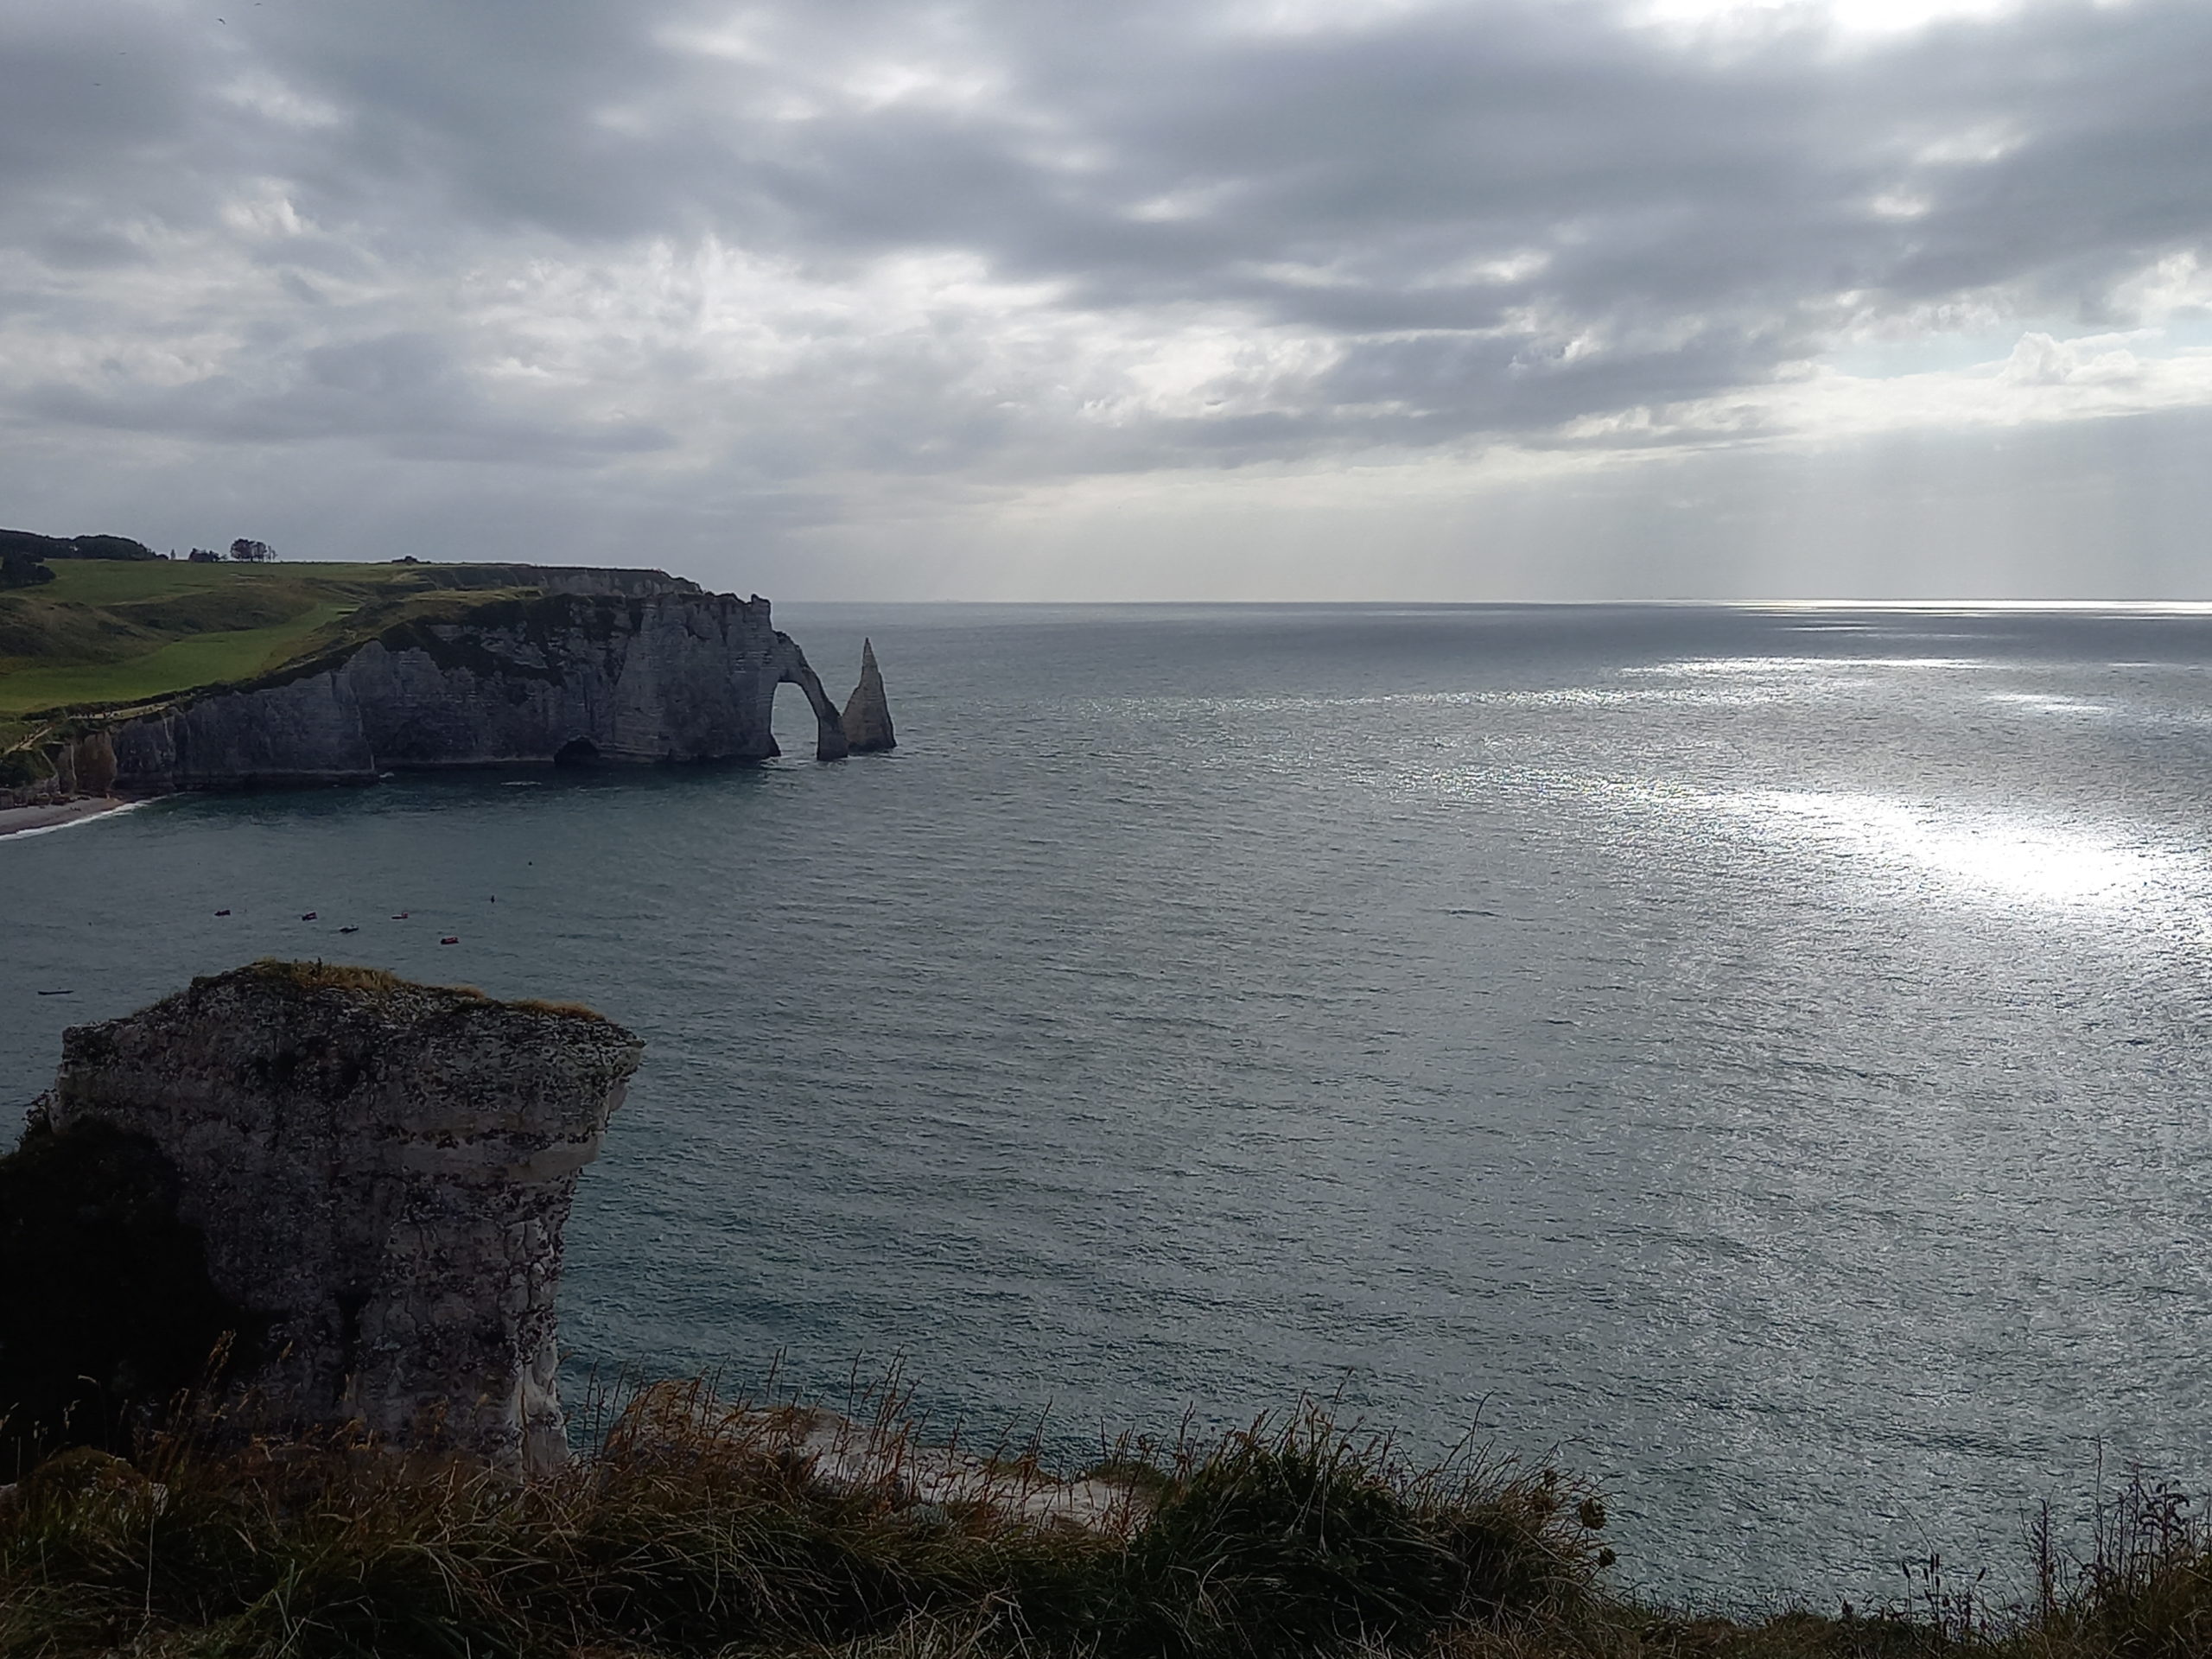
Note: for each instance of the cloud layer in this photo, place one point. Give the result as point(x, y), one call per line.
point(793, 287)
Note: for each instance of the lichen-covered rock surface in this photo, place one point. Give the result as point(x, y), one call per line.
point(663, 676)
point(866, 719)
point(380, 1172)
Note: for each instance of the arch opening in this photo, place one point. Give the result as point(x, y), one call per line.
point(576, 752)
point(825, 735)
point(791, 722)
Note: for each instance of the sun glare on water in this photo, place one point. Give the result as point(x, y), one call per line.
point(2018, 861)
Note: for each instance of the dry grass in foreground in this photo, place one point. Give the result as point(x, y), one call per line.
point(698, 1528)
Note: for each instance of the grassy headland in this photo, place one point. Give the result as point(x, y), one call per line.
point(676, 1537)
point(113, 632)
point(107, 632)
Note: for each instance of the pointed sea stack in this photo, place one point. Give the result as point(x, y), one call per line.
point(867, 712)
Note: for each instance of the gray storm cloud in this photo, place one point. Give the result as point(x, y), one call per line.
point(810, 279)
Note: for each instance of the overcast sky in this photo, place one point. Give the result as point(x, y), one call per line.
point(1157, 299)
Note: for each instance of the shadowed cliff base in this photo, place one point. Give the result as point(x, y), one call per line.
point(108, 1311)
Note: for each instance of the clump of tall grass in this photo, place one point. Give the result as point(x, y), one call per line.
point(2145, 1587)
point(1300, 1537)
point(676, 1536)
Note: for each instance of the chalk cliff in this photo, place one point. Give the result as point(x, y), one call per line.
point(650, 677)
point(380, 1172)
point(866, 719)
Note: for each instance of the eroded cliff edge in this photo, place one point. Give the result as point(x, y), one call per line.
point(656, 676)
point(363, 1180)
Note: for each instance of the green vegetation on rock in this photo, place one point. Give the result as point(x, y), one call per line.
point(213, 658)
point(103, 633)
point(111, 632)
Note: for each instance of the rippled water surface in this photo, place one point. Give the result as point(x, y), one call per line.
point(1761, 1053)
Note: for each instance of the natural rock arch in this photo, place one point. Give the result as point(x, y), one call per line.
point(829, 727)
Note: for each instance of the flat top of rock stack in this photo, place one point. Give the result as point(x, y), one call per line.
point(360, 1042)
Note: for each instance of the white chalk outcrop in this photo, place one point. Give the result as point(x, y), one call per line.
point(658, 676)
point(381, 1173)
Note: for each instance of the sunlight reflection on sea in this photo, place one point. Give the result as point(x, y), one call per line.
point(1763, 1052)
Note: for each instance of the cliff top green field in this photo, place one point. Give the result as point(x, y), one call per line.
point(109, 631)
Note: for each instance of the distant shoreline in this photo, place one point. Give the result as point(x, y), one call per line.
point(37, 820)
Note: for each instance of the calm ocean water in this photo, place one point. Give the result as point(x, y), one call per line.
point(1760, 1053)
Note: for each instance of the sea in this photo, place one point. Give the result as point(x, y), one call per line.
point(1751, 1059)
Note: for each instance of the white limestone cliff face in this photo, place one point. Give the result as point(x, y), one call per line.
point(381, 1171)
point(659, 676)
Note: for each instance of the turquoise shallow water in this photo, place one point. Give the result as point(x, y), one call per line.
point(1761, 1052)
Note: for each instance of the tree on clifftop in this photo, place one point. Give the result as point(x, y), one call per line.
point(22, 569)
point(109, 547)
point(246, 552)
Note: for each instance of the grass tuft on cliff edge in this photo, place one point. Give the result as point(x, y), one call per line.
point(1281, 1540)
point(1291, 1538)
point(377, 982)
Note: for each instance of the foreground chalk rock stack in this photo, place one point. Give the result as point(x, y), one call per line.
point(381, 1171)
point(866, 722)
